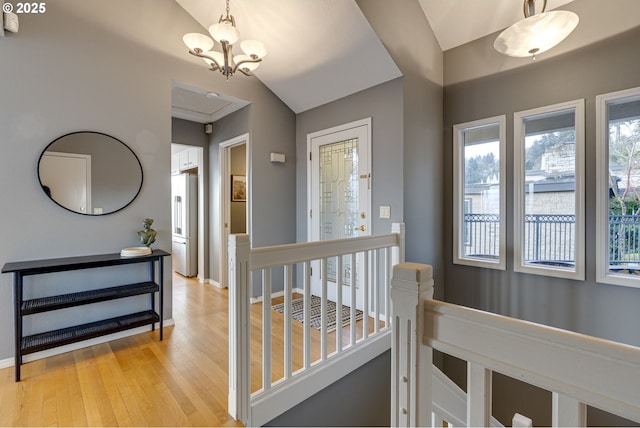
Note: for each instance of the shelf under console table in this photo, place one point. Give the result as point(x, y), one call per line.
point(50, 339)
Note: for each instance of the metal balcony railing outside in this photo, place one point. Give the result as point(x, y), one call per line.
point(549, 238)
point(624, 239)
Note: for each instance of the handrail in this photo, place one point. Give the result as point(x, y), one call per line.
point(306, 251)
point(580, 370)
point(594, 371)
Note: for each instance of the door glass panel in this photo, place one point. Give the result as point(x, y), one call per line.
point(339, 210)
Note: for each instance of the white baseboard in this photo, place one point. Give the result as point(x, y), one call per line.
point(214, 283)
point(259, 299)
point(10, 362)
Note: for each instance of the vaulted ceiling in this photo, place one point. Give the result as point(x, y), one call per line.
point(323, 50)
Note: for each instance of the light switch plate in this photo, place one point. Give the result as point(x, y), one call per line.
point(385, 211)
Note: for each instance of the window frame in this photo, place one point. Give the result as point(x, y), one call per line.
point(459, 194)
point(519, 155)
point(603, 275)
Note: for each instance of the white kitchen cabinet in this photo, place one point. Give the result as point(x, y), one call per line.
point(188, 159)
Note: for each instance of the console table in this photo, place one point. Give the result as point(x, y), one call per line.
point(51, 339)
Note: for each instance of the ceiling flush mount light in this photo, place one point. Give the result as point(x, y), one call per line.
point(536, 33)
point(226, 34)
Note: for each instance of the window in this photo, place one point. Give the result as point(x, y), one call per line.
point(618, 187)
point(479, 195)
point(549, 190)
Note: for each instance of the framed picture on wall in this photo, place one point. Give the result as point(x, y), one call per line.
point(238, 188)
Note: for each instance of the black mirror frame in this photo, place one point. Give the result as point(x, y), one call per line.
point(42, 186)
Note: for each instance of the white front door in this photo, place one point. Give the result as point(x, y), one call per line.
point(339, 199)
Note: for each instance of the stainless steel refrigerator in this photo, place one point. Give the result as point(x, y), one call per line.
point(184, 217)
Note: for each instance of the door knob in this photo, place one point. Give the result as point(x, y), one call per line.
point(361, 228)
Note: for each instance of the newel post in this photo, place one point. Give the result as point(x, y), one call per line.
point(411, 361)
point(239, 327)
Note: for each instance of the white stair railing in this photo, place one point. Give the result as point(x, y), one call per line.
point(580, 370)
point(374, 254)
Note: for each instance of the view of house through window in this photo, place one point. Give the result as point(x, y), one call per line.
point(479, 161)
point(621, 210)
point(549, 207)
point(547, 195)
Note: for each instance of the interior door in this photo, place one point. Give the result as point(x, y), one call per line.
point(68, 177)
point(339, 201)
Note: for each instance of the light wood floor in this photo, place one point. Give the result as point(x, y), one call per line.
point(141, 381)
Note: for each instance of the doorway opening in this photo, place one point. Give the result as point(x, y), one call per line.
point(235, 200)
point(187, 210)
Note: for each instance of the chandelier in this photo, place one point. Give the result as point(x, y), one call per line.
point(536, 33)
point(226, 34)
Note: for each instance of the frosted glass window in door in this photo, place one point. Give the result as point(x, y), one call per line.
point(339, 208)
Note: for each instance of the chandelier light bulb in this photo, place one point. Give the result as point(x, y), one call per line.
point(253, 47)
point(247, 66)
point(224, 31)
point(217, 56)
point(197, 42)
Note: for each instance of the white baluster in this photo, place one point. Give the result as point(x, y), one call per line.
point(323, 310)
point(567, 411)
point(339, 304)
point(288, 338)
point(266, 329)
point(307, 315)
point(353, 301)
point(398, 252)
point(366, 286)
point(478, 395)
point(521, 421)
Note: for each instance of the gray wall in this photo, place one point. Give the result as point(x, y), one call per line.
point(383, 104)
point(231, 126)
point(359, 399)
point(107, 66)
point(188, 133)
point(601, 310)
point(405, 32)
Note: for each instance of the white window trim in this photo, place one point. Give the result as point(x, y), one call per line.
point(602, 188)
point(578, 272)
point(458, 194)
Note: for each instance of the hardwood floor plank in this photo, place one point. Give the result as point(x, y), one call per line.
point(142, 381)
point(62, 415)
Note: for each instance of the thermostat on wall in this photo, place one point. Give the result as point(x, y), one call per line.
point(11, 22)
point(277, 157)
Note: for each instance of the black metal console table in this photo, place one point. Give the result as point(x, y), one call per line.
point(51, 339)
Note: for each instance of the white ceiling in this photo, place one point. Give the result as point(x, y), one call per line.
point(317, 50)
point(198, 105)
point(323, 50)
point(456, 22)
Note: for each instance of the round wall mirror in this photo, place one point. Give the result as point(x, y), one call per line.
point(90, 173)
